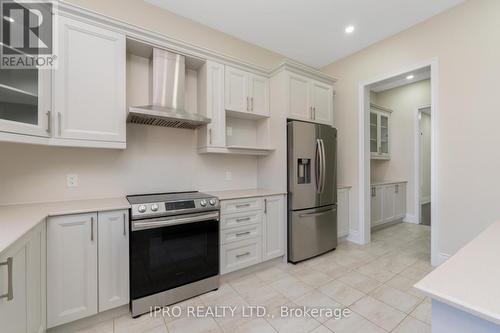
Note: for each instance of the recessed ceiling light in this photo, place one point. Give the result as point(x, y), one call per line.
point(349, 29)
point(8, 18)
point(409, 77)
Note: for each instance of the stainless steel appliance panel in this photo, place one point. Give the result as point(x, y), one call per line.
point(328, 160)
point(311, 232)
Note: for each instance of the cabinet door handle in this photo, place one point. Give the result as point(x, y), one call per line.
point(239, 234)
point(124, 226)
point(265, 206)
point(314, 113)
point(311, 112)
point(248, 104)
point(242, 255)
point(49, 121)
point(243, 219)
point(10, 289)
point(59, 120)
point(91, 229)
point(210, 135)
point(251, 100)
point(396, 189)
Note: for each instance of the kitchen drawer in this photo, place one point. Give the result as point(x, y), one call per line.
point(240, 233)
point(241, 205)
point(238, 220)
point(241, 254)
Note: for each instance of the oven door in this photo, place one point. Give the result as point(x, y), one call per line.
point(170, 252)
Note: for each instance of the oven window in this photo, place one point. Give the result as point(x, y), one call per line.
point(169, 257)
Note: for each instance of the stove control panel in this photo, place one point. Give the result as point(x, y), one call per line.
point(174, 207)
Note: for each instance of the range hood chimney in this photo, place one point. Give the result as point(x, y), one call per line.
point(168, 90)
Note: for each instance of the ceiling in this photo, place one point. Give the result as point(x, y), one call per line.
point(402, 80)
point(310, 31)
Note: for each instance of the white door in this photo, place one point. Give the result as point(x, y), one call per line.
point(14, 310)
point(71, 268)
point(322, 102)
point(343, 212)
point(236, 90)
point(215, 105)
point(113, 257)
point(25, 101)
point(388, 208)
point(376, 205)
point(90, 83)
point(273, 227)
point(259, 94)
point(400, 200)
point(298, 98)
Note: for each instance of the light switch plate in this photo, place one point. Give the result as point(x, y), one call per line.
point(72, 180)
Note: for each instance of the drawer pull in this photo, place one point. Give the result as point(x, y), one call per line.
point(242, 255)
point(10, 290)
point(243, 205)
point(239, 234)
point(243, 219)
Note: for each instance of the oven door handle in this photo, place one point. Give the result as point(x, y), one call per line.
point(159, 223)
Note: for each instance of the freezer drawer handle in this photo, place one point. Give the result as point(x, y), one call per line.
point(242, 255)
point(317, 213)
point(10, 289)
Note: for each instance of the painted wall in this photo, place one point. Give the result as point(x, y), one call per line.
point(425, 157)
point(404, 102)
point(466, 42)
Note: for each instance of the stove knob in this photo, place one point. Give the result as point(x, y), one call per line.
point(154, 207)
point(203, 203)
point(141, 209)
point(212, 202)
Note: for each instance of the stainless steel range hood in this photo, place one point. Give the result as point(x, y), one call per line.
point(168, 90)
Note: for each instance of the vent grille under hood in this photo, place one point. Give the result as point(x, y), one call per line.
point(168, 72)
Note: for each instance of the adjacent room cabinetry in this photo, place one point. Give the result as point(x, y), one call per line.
point(252, 231)
point(380, 132)
point(22, 284)
point(87, 265)
point(388, 203)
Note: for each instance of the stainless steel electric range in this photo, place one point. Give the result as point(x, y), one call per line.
point(174, 248)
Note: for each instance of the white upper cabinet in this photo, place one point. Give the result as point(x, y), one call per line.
point(246, 92)
point(90, 83)
point(309, 99)
point(25, 101)
point(71, 268)
point(379, 132)
point(113, 259)
point(211, 105)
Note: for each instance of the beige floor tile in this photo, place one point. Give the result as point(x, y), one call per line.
point(291, 287)
point(318, 300)
point(194, 325)
point(321, 329)
point(418, 270)
point(230, 320)
point(332, 269)
point(341, 293)
point(412, 325)
point(255, 326)
point(105, 327)
point(353, 324)
point(270, 274)
point(348, 261)
point(423, 312)
point(142, 324)
point(405, 284)
point(360, 282)
point(396, 298)
point(266, 296)
point(224, 291)
point(312, 277)
point(379, 313)
point(291, 324)
point(375, 271)
point(246, 284)
point(179, 310)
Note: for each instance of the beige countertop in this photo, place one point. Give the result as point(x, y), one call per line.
point(246, 193)
point(469, 280)
point(387, 182)
point(17, 220)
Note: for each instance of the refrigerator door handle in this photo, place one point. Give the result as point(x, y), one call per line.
point(323, 165)
point(317, 169)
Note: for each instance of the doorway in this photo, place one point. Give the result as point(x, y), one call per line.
point(424, 163)
point(363, 236)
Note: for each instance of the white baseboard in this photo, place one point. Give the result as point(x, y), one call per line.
point(441, 258)
point(355, 237)
point(409, 218)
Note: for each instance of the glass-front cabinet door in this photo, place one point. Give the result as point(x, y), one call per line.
point(380, 132)
point(373, 132)
point(25, 101)
point(384, 134)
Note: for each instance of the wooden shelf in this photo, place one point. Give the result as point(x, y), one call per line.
point(246, 115)
point(14, 95)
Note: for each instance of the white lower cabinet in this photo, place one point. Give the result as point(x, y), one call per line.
point(252, 231)
point(388, 203)
point(113, 255)
point(87, 265)
point(22, 284)
point(343, 213)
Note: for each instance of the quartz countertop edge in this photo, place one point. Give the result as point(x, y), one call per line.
point(18, 219)
point(469, 279)
point(387, 182)
point(245, 193)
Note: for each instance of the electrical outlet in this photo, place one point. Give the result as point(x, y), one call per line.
point(229, 131)
point(229, 176)
point(72, 180)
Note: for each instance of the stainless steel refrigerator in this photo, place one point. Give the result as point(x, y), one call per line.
point(312, 190)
